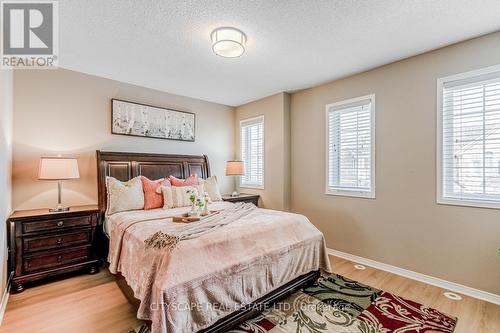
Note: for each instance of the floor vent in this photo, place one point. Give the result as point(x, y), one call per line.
point(452, 296)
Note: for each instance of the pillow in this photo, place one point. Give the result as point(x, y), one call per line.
point(152, 198)
point(212, 188)
point(177, 196)
point(124, 196)
point(166, 192)
point(189, 181)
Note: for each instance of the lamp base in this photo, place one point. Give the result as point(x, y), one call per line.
point(59, 209)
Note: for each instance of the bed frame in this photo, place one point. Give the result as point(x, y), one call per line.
point(125, 166)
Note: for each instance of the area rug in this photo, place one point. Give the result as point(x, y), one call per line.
point(340, 305)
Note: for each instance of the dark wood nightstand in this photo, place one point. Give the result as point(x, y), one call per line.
point(253, 198)
point(44, 244)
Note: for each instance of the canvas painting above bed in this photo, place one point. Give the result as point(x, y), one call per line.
point(135, 119)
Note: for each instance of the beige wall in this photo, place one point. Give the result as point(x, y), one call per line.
point(6, 84)
point(275, 110)
point(403, 226)
point(68, 113)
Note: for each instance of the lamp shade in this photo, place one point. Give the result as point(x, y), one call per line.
point(234, 168)
point(58, 168)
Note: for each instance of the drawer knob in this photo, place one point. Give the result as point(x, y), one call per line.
point(59, 241)
point(59, 259)
point(60, 223)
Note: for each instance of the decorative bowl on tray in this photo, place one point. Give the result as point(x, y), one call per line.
point(187, 218)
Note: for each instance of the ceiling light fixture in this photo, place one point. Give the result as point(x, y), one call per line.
point(228, 42)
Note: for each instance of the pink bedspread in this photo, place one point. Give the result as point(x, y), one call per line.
point(208, 277)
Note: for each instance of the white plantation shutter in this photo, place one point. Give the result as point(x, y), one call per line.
point(252, 152)
point(470, 140)
point(350, 147)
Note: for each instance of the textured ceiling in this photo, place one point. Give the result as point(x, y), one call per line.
point(292, 45)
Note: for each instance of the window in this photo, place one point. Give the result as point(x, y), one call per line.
point(469, 138)
point(351, 147)
point(252, 152)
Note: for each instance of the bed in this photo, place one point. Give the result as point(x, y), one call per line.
point(214, 281)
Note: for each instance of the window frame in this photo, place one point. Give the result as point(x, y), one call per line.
point(352, 193)
point(440, 198)
point(262, 119)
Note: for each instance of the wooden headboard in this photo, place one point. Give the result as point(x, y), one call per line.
point(125, 166)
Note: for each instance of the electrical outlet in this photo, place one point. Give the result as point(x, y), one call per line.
point(498, 253)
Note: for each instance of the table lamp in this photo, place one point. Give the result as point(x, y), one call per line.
point(234, 168)
point(58, 168)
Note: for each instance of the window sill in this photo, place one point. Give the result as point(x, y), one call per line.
point(255, 187)
point(468, 203)
point(353, 194)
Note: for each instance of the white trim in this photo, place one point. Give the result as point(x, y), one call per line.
point(251, 120)
point(440, 199)
point(466, 203)
point(352, 193)
point(255, 187)
point(447, 285)
point(466, 75)
point(5, 297)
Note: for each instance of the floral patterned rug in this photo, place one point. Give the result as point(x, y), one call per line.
point(340, 305)
point(337, 304)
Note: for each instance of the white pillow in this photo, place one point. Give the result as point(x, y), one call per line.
point(212, 188)
point(123, 196)
point(178, 196)
point(167, 197)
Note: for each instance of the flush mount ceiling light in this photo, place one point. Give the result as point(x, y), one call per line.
point(228, 42)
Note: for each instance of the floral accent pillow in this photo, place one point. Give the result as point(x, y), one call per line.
point(152, 197)
point(189, 181)
point(123, 196)
point(178, 196)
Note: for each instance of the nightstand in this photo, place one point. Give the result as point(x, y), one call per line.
point(253, 198)
point(44, 244)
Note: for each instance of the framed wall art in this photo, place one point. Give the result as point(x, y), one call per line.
point(136, 119)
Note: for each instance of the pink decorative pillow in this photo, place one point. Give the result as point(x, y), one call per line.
point(189, 181)
point(153, 199)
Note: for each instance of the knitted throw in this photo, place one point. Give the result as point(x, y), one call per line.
point(171, 235)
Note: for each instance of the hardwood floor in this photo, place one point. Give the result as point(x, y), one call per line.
point(94, 303)
point(84, 303)
point(474, 316)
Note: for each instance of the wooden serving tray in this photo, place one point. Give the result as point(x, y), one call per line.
point(185, 218)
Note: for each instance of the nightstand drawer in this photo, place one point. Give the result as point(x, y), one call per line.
point(49, 225)
point(37, 243)
point(52, 260)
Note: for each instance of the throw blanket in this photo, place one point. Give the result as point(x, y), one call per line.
point(171, 236)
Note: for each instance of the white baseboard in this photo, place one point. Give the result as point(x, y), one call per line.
point(5, 298)
point(451, 286)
